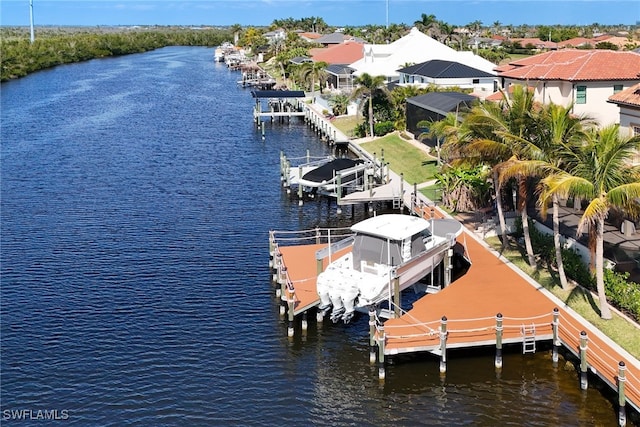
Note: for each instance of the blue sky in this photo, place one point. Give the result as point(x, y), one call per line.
point(334, 12)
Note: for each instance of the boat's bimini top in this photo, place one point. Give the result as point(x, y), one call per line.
point(392, 226)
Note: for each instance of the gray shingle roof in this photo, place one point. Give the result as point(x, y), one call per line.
point(442, 69)
point(442, 102)
point(339, 69)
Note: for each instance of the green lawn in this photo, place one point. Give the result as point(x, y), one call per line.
point(580, 300)
point(347, 124)
point(403, 158)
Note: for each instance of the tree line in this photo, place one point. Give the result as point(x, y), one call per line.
point(62, 46)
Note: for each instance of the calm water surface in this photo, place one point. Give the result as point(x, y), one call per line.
point(137, 197)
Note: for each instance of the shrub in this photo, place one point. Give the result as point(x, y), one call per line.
point(383, 128)
point(621, 293)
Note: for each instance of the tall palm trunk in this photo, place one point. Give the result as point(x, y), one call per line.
point(605, 311)
point(556, 242)
point(503, 224)
point(524, 215)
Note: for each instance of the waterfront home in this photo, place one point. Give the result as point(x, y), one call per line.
point(432, 107)
point(343, 53)
point(584, 78)
point(628, 101)
point(414, 48)
point(445, 73)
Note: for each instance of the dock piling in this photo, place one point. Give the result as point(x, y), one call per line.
point(498, 361)
point(372, 335)
point(556, 341)
point(584, 384)
point(381, 339)
point(291, 307)
point(622, 402)
point(443, 344)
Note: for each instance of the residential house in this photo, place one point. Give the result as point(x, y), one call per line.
point(584, 78)
point(414, 48)
point(444, 73)
point(336, 38)
point(432, 107)
point(275, 35)
point(535, 43)
point(309, 37)
point(339, 56)
point(628, 101)
point(339, 77)
point(343, 53)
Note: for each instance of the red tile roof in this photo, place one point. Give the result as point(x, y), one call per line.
point(343, 53)
point(629, 96)
point(310, 35)
point(535, 42)
point(575, 65)
point(577, 41)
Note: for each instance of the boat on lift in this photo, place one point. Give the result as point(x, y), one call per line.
point(386, 249)
point(324, 176)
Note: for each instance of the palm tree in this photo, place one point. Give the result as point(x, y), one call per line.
point(339, 104)
point(367, 88)
point(501, 131)
point(559, 133)
point(312, 71)
point(602, 175)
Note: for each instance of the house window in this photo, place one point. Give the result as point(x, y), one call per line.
point(476, 81)
point(617, 88)
point(581, 94)
point(635, 130)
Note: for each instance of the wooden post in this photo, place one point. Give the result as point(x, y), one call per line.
point(443, 344)
point(300, 202)
point(288, 176)
point(305, 324)
point(622, 402)
point(498, 362)
point(372, 335)
point(381, 340)
point(448, 266)
point(414, 200)
point(291, 307)
point(584, 384)
point(556, 341)
point(283, 290)
point(338, 193)
point(396, 297)
point(277, 263)
point(262, 127)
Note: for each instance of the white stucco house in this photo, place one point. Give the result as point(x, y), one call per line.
point(628, 101)
point(444, 73)
point(414, 48)
point(584, 78)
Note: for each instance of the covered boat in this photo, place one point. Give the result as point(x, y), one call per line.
point(385, 249)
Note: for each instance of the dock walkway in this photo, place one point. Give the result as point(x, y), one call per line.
point(470, 305)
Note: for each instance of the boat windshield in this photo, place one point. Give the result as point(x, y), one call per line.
point(374, 249)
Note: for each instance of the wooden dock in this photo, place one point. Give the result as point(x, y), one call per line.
point(493, 298)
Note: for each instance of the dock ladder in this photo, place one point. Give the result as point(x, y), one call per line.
point(397, 202)
point(528, 338)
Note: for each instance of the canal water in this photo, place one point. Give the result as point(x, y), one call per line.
point(137, 196)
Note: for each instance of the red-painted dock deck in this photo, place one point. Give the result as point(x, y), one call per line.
point(470, 304)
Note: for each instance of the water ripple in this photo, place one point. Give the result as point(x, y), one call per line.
point(137, 197)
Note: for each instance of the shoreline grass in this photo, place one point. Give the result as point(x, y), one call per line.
point(414, 164)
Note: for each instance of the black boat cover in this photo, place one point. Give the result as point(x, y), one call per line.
point(327, 171)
